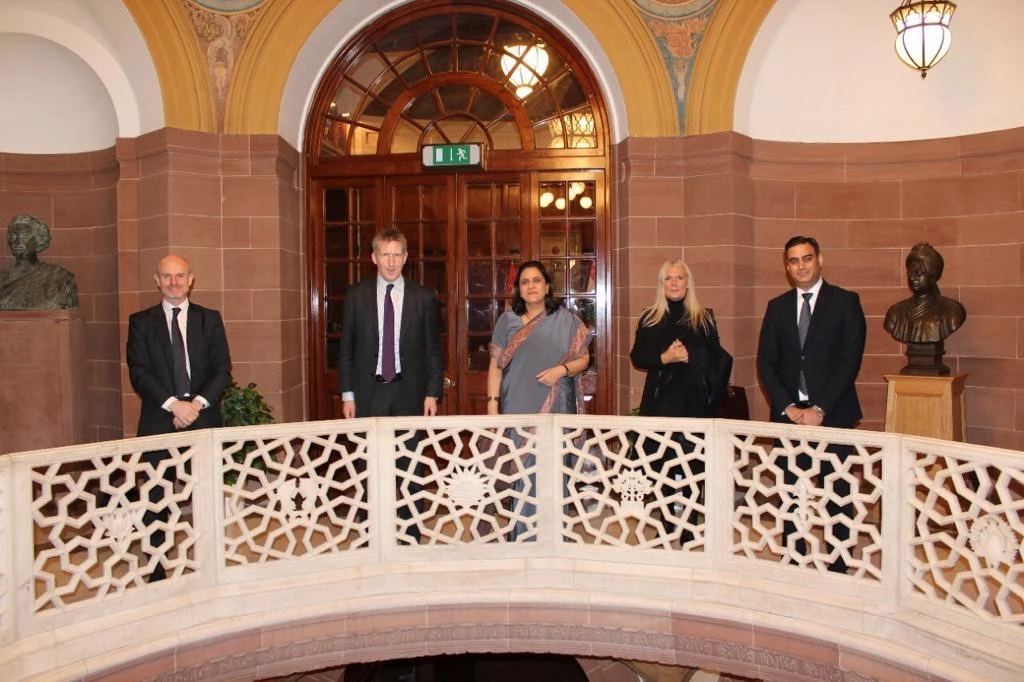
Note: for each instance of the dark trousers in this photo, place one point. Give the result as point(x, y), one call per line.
point(669, 467)
point(157, 513)
point(840, 514)
point(387, 402)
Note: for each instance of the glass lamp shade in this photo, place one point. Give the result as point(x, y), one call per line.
point(922, 32)
point(524, 65)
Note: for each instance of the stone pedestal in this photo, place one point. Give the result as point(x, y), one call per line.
point(43, 379)
point(926, 406)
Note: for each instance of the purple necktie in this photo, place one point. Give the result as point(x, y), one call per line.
point(387, 346)
point(182, 384)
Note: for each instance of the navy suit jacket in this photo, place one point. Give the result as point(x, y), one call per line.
point(830, 358)
point(151, 366)
point(419, 347)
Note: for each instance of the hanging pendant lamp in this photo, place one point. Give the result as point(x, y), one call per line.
point(922, 32)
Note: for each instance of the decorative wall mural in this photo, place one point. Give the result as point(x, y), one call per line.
point(227, 6)
point(678, 27)
point(672, 9)
point(221, 36)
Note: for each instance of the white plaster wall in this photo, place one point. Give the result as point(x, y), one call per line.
point(52, 101)
point(121, 36)
point(104, 38)
point(351, 16)
point(826, 71)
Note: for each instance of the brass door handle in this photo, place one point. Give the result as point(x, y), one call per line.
point(448, 383)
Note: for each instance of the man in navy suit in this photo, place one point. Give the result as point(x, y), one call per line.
point(178, 363)
point(811, 380)
point(391, 361)
point(414, 387)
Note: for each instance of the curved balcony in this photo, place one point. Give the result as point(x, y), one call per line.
point(294, 547)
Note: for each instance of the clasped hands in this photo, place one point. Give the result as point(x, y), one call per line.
point(185, 412)
point(805, 416)
point(676, 352)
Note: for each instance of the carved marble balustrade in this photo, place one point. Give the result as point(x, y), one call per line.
point(291, 547)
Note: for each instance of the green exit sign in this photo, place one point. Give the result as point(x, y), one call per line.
point(451, 155)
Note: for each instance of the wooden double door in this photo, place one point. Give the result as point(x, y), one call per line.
point(467, 234)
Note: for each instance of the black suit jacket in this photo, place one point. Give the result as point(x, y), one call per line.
point(830, 358)
point(150, 365)
point(419, 347)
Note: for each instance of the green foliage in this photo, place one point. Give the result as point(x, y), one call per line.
point(244, 407)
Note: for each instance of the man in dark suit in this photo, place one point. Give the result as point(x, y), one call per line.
point(370, 387)
point(808, 356)
point(391, 361)
point(178, 363)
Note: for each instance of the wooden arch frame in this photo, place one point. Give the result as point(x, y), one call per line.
point(347, 57)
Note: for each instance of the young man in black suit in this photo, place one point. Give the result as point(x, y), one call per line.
point(391, 362)
point(808, 356)
point(408, 383)
point(178, 363)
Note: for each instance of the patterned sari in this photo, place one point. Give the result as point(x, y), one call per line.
point(522, 351)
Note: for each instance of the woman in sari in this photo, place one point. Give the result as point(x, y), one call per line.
point(677, 343)
point(538, 350)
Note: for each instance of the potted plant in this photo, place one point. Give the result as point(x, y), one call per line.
point(244, 407)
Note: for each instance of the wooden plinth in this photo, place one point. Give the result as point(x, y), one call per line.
point(926, 406)
point(43, 392)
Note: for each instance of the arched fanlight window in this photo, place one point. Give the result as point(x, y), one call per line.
point(456, 78)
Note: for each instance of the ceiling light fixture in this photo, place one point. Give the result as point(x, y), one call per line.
point(523, 66)
point(922, 32)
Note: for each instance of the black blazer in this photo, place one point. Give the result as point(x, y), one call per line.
point(419, 347)
point(830, 358)
point(676, 390)
point(151, 367)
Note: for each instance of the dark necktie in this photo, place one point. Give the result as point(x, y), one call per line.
point(387, 345)
point(802, 325)
point(182, 385)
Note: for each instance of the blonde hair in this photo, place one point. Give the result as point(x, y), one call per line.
point(698, 315)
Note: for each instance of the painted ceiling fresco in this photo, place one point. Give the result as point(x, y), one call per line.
point(678, 27)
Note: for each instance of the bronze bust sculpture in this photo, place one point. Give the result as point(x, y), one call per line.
point(924, 320)
point(31, 284)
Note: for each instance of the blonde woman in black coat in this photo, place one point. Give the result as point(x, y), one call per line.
point(677, 343)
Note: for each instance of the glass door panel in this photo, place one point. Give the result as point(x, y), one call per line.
point(350, 213)
point(568, 222)
point(493, 223)
point(423, 209)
